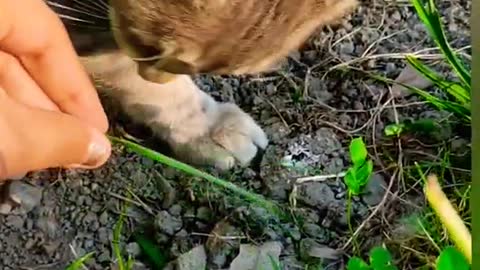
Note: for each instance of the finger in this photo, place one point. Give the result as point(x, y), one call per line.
point(35, 35)
point(26, 91)
point(34, 139)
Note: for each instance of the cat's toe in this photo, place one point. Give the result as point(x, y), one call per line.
point(238, 133)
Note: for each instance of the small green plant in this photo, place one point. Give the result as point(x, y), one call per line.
point(423, 126)
point(379, 258)
point(357, 175)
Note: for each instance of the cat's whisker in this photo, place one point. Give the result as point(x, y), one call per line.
point(91, 5)
point(77, 10)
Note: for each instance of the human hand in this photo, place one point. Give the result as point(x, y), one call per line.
point(50, 114)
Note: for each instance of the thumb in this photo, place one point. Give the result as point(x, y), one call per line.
point(35, 139)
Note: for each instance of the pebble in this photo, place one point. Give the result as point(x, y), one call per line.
point(28, 196)
point(316, 194)
point(168, 223)
point(375, 190)
point(133, 249)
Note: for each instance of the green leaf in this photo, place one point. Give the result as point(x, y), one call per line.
point(155, 256)
point(78, 263)
point(351, 182)
point(429, 15)
point(358, 151)
point(423, 125)
point(356, 263)
point(358, 176)
point(394, 129)
point(381, 259)
point(364, 172)
point(451, 259)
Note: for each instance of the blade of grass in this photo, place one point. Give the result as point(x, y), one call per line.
point(117, 231)
point(454, 89)
point(151, 154)
point(78, 263)
point(158, 259)
point(429, 15)
point(441, 104)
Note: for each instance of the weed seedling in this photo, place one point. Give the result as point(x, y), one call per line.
point(358, 174)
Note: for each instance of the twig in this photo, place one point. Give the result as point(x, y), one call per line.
point(319, 178)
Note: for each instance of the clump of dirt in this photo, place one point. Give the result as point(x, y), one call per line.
point(311, 109)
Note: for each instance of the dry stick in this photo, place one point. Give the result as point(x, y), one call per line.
point(374, 212)
point(449, 217)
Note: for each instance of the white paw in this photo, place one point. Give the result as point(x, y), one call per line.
point(232, 138)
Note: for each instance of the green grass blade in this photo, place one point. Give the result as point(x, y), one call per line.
point(117, 231)
point(456, 90)
point(429, 15)
point(157, 258)
point(252, 197)
point(78, 263)
point(441, 104)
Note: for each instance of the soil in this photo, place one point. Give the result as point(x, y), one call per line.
point(311, 110)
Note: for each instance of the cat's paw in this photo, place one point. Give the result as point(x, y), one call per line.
point(232, 137)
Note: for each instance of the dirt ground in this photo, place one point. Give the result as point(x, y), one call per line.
point(310, 110)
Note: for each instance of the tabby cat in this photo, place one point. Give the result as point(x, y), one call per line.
point(144, 51)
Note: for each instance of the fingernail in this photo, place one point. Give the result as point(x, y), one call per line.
point(98, 152)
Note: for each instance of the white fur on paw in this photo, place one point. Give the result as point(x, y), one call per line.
point(238, 133)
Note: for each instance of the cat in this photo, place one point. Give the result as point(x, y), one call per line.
point(143, 53)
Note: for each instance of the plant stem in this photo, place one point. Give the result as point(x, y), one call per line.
point(449, 217)
point(349, 223)
point(195, 172)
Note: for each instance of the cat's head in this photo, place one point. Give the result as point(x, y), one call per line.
point(168, 37)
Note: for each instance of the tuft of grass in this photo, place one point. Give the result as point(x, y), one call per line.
point(249, 196)
point(117, 233)
point(79, 263)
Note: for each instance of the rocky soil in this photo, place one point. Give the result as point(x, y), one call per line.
point(311, 109)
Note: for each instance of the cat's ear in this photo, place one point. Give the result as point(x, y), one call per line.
point(164, 70)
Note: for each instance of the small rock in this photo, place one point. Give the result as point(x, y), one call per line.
point(193, 260)
point(253, 257)
point(103, 219)
point(409, 76)
point(204, 213)
point(133, 249)
point(316, 194)
point(175, 210)
point(15, 221)
point(5, 208)
point(347, 47)
point(375, 190)
point(104, 257)
point(28, 196)
point(315, 231)
point(168, 223)
point(309, 248)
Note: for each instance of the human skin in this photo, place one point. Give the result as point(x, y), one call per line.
point(50, 113)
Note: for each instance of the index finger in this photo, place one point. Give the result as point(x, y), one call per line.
point(33, 33)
